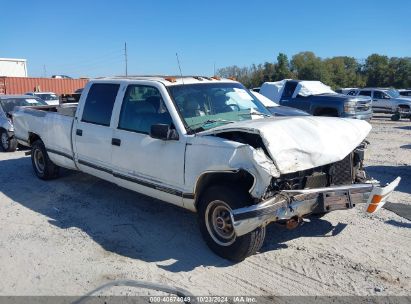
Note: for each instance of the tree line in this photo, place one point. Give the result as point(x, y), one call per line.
point(337, 72)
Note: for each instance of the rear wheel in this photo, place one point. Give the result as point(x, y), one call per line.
point(42, 165)
point(216, 226)
point(8, 144)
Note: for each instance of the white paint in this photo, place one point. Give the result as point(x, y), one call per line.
point(11, 67)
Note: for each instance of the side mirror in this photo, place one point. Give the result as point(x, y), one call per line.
point(163, 132)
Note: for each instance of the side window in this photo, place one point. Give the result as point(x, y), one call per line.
point(365, 93)
point(99, 103)
point(289, 89)
point(352, 92)
point(378, 95)
point(142, 107)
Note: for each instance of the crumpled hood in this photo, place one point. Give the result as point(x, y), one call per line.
point(303, 142)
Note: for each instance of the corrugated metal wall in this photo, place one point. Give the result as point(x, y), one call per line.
point(21, 85)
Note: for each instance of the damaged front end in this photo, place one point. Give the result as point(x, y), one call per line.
point(337, 186)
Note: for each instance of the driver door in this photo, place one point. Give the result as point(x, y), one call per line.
point(141, 163)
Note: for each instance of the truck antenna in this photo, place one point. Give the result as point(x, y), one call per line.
point(179, 67)
point(125, 56)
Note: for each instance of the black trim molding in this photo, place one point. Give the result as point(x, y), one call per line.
point(138, 181)
point(60, 153)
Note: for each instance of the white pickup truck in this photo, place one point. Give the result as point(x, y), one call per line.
point(207, 145)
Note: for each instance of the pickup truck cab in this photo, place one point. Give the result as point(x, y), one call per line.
point(317, 99)
point(207, 145)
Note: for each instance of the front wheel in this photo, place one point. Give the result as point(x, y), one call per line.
point(396, 117)
point(42, 165)
point(8, 144)
point(216, 226)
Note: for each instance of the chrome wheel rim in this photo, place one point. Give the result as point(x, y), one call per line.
point(219, 223)
point(5, 140)
point(39, 161)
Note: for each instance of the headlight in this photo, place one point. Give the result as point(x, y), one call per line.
point(349, 106)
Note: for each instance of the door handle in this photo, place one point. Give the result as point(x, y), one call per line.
point(116, 142)
point(79, 132)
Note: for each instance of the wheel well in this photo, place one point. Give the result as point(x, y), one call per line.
point(240, 178)
point(326, 112)
point(33, 137)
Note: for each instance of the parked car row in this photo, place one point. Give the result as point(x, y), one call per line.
point(209, 145)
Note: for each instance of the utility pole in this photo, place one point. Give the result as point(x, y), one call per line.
point(44, 71)
point(214, 69)
point(125, 56)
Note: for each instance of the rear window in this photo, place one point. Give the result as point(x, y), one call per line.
point(99, 103)
point(8, 105)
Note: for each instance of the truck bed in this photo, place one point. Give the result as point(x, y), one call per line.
point(53, 124)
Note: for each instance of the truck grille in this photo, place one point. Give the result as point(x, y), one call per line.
point(338, 173)
point(341, 172)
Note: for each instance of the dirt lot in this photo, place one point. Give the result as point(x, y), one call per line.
point(70, 235)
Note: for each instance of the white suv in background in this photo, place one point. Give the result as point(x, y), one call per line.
point(385, 100)
point(50, 98)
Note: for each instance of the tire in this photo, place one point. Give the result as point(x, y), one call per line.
point(8, 144)
point(396, 117)
point(213, 211)
point(43, 167)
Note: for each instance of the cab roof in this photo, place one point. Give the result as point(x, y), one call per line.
point(172, 80)
point(16, 96)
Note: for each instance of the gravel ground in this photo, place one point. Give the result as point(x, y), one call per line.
point(70, 235)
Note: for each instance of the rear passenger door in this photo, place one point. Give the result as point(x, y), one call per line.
point(92, 133)
point(141, 163)
point(378, 100)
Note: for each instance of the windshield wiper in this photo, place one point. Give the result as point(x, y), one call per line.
point(255, 112)
point(200, 126)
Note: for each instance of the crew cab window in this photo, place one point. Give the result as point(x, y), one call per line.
point(365, 93)
point(378, 95)
point(99, 103)
point(142, 107)
point(289, 89)
point(352, 92)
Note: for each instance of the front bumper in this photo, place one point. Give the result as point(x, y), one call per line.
point(290, 204)
point(358, 115)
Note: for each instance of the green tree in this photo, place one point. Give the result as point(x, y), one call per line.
point(399, 74)
point(343, 72)
point(376, 70)
point(307, 66)
point(282, 68)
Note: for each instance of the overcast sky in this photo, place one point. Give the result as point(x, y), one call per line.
point(86, 38)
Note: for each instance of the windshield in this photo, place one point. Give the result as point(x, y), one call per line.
point(8, 105)
point(47, 97)
point(393, 93)
point(205, 106)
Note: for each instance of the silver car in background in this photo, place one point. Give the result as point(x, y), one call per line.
point(8, 103)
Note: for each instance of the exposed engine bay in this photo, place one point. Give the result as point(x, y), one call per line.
point(344, 172)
